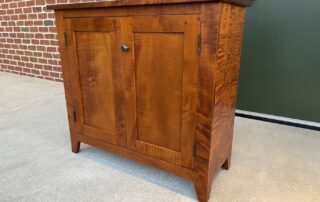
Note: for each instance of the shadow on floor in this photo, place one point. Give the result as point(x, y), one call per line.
point(144, 172)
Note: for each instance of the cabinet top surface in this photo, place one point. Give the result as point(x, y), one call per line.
point(119, 3)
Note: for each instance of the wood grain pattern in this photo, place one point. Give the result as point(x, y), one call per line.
point(68, 75)
point(162, 97)
point(150, 10)
point(118, 3)
point(235, 41)
point(95, 51)
point(165, 53)
point(226, 82)
point(208, 62)
point(159, 88)
point(137, 156)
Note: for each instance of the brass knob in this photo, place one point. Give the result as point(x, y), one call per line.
point(124, 48)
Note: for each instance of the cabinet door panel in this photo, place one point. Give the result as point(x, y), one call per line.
point(95, 43)
point(94, 52)
point(164, 87)
point(159, 88)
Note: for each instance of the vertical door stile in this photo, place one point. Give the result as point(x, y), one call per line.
point(71, 52)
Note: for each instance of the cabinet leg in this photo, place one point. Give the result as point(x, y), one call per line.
point(227, 163)
point(75, 145)
point(202, 190)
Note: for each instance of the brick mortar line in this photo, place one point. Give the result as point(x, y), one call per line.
point(48, 46)
point(32, 55)
point(13, 60)
point(59, 73)
point(30, 32)
point(58, 59)
point(37, 63)
point(28, 38)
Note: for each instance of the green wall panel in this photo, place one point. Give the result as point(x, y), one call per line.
point(280, 67)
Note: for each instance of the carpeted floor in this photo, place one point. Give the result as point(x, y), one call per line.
point(270, 162)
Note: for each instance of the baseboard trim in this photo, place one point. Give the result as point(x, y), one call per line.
point(279, 120)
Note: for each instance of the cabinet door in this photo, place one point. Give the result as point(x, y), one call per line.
point(97, 78)
point(161, 83)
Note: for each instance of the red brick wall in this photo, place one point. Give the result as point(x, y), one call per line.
point(28, 38)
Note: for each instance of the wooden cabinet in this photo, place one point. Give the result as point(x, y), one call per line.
point(154, 81)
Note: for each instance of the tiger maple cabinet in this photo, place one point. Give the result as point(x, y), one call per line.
point(154, 80)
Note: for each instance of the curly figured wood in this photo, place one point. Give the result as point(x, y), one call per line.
point(173, 107)
point(209, 46)
point(118, 3)
point(226, 76)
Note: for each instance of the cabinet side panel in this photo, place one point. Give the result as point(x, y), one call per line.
point(210, 18)
point(226, 76)
point(235, 44)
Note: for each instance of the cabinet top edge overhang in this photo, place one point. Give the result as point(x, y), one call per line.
point(119, 3)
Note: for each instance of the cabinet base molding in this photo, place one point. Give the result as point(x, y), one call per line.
point(132, 155)
point(201, 187)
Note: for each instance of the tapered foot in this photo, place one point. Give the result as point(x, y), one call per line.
point(227, 163)
point(202, 189)
point(75, 146)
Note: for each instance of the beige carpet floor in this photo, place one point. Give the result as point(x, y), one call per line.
point(270, 162)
